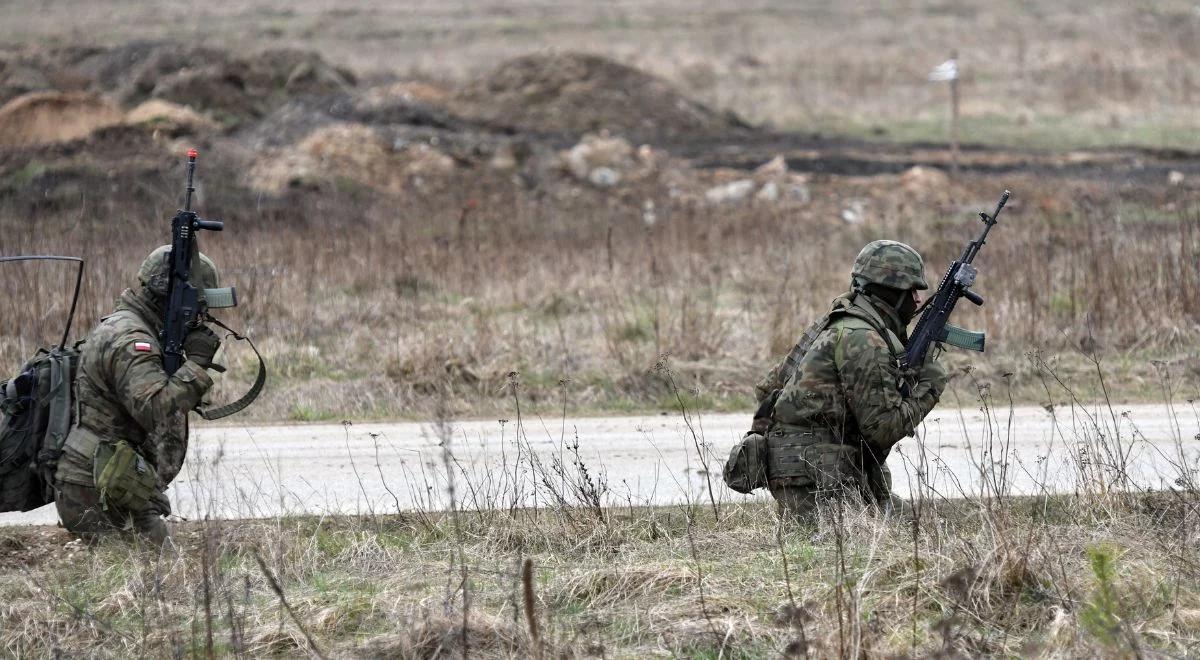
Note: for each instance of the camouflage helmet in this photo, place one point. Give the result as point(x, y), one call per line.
point(891, 264)
point(153, 273)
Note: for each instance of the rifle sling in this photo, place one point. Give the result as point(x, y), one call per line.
point(255, 389)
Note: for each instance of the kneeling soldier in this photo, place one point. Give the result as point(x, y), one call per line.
point(131, 435)
point(840, 408)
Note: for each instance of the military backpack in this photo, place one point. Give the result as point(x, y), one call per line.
point(38, 411)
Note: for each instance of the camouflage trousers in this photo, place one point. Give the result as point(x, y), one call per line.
point(809, 468)
point(81, 514)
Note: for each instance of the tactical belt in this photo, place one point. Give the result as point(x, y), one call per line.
point(255, 389)
point(789, 436)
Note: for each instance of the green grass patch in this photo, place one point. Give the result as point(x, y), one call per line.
point(300, 412)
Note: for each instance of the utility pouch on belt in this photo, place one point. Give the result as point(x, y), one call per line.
point(810, 460)
point(746, 468)
point(125, 480)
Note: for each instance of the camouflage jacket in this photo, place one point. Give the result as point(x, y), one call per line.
point(782, 372)
point(848, 380)
point(124, 394)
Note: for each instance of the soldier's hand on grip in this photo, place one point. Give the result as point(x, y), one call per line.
point(934, 375)
point(201, 345)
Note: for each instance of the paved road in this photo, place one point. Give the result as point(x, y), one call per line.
point(257, 471)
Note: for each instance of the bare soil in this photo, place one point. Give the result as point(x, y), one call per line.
point(41, 117)
point(575, 93)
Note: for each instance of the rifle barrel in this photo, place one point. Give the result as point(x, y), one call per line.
point(191, 171)
point(988, 222)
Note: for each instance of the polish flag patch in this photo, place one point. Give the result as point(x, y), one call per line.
point(142, 347)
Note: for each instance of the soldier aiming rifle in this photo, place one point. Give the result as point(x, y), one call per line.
point(142, 370)
point(857, 383)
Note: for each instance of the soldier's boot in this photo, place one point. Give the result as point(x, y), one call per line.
point(152, 523)
point(81, 514)
point(799, 504)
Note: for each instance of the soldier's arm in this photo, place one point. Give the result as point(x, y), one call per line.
point(779, 375)
point(870, 378)
point(775, 379)
point(144, 389)
point(170, 447)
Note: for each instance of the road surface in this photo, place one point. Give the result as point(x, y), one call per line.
point(257, 471)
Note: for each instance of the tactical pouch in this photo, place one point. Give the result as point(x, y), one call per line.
point(832, 467)
point(125, 480)
point(810, 460)
point(746, 468)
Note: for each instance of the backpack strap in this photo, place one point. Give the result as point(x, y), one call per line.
point(59, 420)
point(255, 389)
point(59, 407)
point(872, 318)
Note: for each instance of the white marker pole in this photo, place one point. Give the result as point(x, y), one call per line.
point(948, 72)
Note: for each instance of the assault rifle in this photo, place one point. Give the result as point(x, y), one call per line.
point(186, 309)
point(183, 300)
point(933, 325)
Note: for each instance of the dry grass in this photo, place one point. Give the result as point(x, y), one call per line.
point(1109, 570)
point(982, 586)
point(434, 302)
point(375, 297)
point(374, 305)
point(1073, 576)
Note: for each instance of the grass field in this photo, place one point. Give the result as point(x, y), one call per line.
point(1087, 577)
point(1109, 571)
point(581, 301)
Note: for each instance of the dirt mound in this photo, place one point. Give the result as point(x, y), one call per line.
point(349, 152)
point(169, 118)
point(413, 103)
point(229, 88)
point(50, 117)
point(225, 90)
point(235, 90)
point(130, 71)
point(578, 93)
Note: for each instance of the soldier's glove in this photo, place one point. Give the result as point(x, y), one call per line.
point(760, 425)
point(201, 345)
point(933, 376)
point(160, 504)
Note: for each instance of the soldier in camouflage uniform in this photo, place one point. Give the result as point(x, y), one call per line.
point(123, 394)
point(838, 406)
